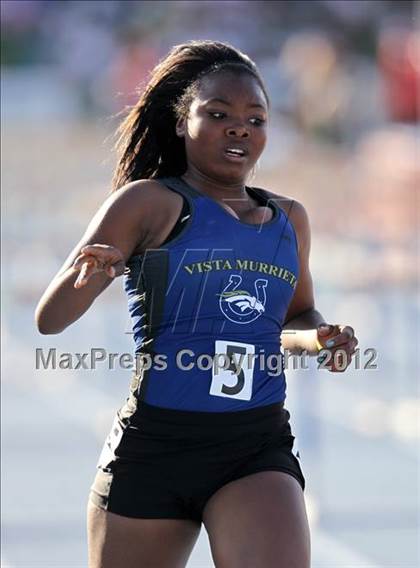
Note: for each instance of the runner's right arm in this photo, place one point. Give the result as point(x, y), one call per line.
point(132, 218)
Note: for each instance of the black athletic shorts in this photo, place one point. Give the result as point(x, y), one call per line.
point(168, 463)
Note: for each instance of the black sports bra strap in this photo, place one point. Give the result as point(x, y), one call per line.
point(259, 194)
point(181, 186)
point(184, 190)
point(264, 198)
point(179, 225)
point(267, 200)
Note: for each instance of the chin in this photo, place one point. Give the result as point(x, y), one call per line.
point(233, 172)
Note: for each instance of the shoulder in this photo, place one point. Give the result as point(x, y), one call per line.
point(297, 215)
point(146, 202)
point(145, 193)
point(145, 208)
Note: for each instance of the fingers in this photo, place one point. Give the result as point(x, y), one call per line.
point(90, 265)
point(353, 343)
point(345, 335)
point(118, 268)
point(96, 262)
point(342, 356)
point(82, 258)
point(103, 252)
point(84, 275)
point(348, 331)
point(338, 361)
point(96, 248)
point(97, 258)
point(325, 329)
point(341, 347)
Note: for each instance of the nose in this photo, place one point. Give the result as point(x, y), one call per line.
point(238, 131)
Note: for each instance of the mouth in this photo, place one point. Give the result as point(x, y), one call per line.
point(236, 154)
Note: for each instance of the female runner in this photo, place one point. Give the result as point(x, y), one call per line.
point(215, 271)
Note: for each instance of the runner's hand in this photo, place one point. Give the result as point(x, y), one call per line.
point(334, 338)
point(98, 258)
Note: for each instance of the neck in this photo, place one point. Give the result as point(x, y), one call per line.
point(217, 189)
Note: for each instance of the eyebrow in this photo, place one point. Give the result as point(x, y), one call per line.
point(223, 101)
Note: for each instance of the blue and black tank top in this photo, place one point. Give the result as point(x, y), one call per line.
point(207, 307)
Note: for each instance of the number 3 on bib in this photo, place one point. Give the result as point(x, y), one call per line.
point(233, 380)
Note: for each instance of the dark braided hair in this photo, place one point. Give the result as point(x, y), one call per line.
point(148, 146)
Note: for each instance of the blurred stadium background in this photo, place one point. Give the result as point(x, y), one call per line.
point(343, 77)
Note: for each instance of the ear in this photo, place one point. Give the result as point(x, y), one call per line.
point(180, 127)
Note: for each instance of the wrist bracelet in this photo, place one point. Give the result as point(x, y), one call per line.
point(318, 345)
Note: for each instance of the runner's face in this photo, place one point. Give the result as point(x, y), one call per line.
point(229, 113)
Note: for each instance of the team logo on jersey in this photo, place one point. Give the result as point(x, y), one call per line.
point(240, 306)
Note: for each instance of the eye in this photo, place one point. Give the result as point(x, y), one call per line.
point(217, 115)
point(258, 121)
